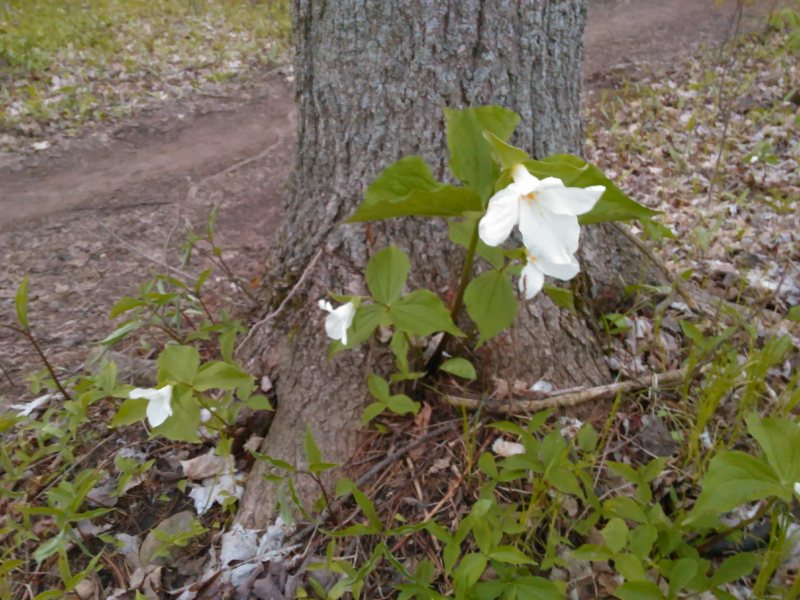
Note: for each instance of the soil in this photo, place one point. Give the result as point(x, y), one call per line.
point(82, 217)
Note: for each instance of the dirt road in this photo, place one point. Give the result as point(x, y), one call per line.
point(80, 218)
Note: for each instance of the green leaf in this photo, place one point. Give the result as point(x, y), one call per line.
point(561, 297)
point(107, 378)
point(470, 153)
point(365, 321)
point(120, 332)
point(460, 232)
point(313, 454)
point(592, 552)
point(344, 486)
point(794, 313)
point(469, 571)
point(178, 363)
point(615, 533)
point(639, 590)
point(491, 303)
point(641, 540)
point(735, 567)
point(780, 440)
point(123, 305)
point(510, 555)
point(734, 478)
point(386, 274)
point(399, 347)
point(218, 375)
point(378, 388)
point(371, 411)
point(630, 567)
point(460, 367)
point(21, 303)
point(683, 571)
point(407, 188)
point(506, 155)
point(613, 205)
point(131, 411)
point(422, 313)
point(182, 425)
point(587, 438)
point(402, 404)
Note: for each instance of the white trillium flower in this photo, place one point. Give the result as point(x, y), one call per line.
point(797, 488)
point(531, 279)
point(159, 406)
point(546, 212)
point(339, 320)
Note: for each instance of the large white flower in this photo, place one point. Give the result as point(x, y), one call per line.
point(339, 320)
point(546, 212)
point(159, 406)
point(531, 279)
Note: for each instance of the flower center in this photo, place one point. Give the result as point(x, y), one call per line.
point(531, 196)
point(532, 259)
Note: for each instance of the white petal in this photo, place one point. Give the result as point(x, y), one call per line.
point(524, 180)
point(562, 271)
point(568, 200)
point(325, 305)
point(531, 280)
point(549, 236)
point(158, 406)
point(505, 448)
point(501, 216)
point(338, 322)
point(797, 488)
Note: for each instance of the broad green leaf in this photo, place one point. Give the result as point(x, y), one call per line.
point(587, 438)
point(407, 188)
point(639, 590)
point(178, 364)
point(218, 375)
point(460, 367)
point(460, 232)
point(641, 540)
point(371, 411)
point(21, 303)
point(683, 571)
point(630, 567)
point(182, 425)
point(779, 438)
point(402, 405)
point(506, 155)
point(510, 555)
point(615, 533)
point(561, 297)
point(794, 313)
point(131, 411)
point(422, 313)
point(613, 205)
point(491, 303)
point(365, 321)
point(386, 274)
point(592, 552)
point(378, 388)
point(469, 570)
point(734, 478)
point(399, 347)
point(735, 567)
point(107, 378)
point(470, 153)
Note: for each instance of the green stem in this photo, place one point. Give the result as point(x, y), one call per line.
point(466, 271)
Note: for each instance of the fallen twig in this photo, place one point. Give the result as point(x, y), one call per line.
point(560, 400)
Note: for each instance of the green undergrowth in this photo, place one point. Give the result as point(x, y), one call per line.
point(63, 63)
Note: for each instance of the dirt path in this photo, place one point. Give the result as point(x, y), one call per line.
point(78, 218)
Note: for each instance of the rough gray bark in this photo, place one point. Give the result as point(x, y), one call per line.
point(372, 77)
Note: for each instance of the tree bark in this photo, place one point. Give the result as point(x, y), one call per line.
point(372, 78)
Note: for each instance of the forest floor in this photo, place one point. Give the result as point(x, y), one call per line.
point(90, 211)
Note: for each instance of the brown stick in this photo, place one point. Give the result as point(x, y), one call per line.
point(601, 392)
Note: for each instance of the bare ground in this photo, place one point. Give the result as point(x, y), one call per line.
point(79, 218)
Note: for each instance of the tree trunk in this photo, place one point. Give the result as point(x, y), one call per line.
point(372, 77)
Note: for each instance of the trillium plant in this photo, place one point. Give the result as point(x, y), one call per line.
point(520, 217)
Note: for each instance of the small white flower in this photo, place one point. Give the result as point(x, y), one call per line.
point(545, 210)
point(339, 320)
point(797, 488)
point(158, 407)
point(505, 448)
point(531, 279)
